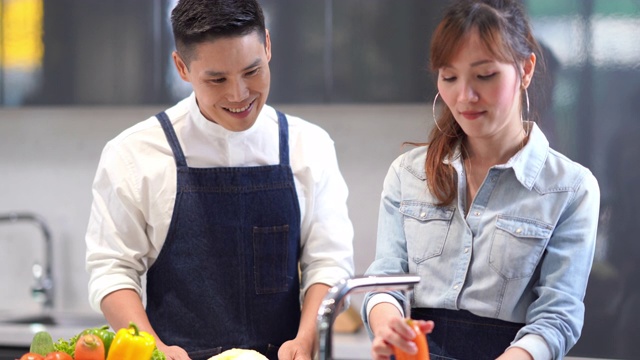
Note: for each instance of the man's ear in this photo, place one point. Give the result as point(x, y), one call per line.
point(267, 44)
point(528, 68)
point(182, 68)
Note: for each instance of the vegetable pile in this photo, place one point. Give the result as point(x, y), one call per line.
point(96, 344)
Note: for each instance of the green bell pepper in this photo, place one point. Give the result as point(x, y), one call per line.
point(104, 334)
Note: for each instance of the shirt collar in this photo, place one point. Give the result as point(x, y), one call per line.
point(526, 163)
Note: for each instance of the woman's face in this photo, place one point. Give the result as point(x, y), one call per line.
point(483, 93)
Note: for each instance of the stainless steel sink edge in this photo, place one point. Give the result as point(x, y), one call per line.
point(17, 329)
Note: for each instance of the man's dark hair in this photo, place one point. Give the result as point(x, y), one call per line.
point(198, 21)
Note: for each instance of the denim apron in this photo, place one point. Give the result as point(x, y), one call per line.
point(227, 275)
point(461, 335)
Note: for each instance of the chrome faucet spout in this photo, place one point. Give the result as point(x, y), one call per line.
point(42, 274)
point(333, 301)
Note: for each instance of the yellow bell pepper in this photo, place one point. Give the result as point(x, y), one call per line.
point(132, 344)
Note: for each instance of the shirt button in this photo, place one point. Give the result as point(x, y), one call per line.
point(518, 230)
point(466, 250)
point(423, 214)
point(455, 287)
point(477, 213)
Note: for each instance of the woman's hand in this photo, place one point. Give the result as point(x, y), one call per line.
point(515, 353)
point(397, 334)
point(392, 331)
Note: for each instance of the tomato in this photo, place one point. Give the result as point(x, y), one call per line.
point(58, 355)
point(31, 356)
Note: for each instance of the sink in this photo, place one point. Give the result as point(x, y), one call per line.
point(18, 329)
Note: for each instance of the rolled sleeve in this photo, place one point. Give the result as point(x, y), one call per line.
point(558, 312)
point(535, 346)
point(112, 262)
point(327, 231)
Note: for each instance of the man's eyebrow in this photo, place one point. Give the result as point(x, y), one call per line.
point(221, 73)
point(253, 64)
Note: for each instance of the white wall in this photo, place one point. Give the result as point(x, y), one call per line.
point(48, 158)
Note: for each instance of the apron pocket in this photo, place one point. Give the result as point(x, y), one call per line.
point(270, 258)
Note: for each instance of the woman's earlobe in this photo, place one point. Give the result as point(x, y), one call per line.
point(526, 81)
point(528, 70)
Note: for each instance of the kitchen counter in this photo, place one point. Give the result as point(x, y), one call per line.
point(346, 346)
point(17, 329)
point(356, 346)
point(20, 335)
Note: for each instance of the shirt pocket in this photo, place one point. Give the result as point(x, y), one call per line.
point(517, 246)
point(270, 256)
point(426, 227)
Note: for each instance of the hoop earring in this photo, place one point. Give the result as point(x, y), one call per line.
point(433, 110)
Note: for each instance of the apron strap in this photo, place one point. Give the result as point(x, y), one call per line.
point(172, 138)
point(283, 125)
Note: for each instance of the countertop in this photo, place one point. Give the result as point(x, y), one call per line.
point(356, 346)
point(17, 331)
point(346, 346)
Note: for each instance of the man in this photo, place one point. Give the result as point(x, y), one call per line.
point(220, 201)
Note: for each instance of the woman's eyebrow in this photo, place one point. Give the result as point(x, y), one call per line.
point(481, 62)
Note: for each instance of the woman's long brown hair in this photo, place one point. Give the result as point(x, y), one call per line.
point(504, 30)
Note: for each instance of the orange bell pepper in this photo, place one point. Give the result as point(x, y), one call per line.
point(132, 344)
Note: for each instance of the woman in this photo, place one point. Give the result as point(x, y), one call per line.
point(500, 227)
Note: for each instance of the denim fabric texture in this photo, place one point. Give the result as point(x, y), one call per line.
point(456, 327)
point(521, 254)
point(227, 274)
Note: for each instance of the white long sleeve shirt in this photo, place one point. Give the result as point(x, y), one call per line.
point(134, 191)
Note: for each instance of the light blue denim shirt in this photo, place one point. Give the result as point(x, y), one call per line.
point(523, 253)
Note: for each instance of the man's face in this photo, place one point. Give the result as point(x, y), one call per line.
point(230, 77)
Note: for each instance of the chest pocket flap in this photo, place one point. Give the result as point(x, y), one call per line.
point(425, 211)
point(426, 229)
point(517, 246)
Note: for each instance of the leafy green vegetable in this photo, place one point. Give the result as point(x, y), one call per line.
point(158, 355)
point(68, 347)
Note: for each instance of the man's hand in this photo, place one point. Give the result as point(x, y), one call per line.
point(173, 352)
point(302, 347)
point(122, 306)
point(295, 350)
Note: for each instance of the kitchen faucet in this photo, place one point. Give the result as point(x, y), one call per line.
point(333, 301)
point(42, 274)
